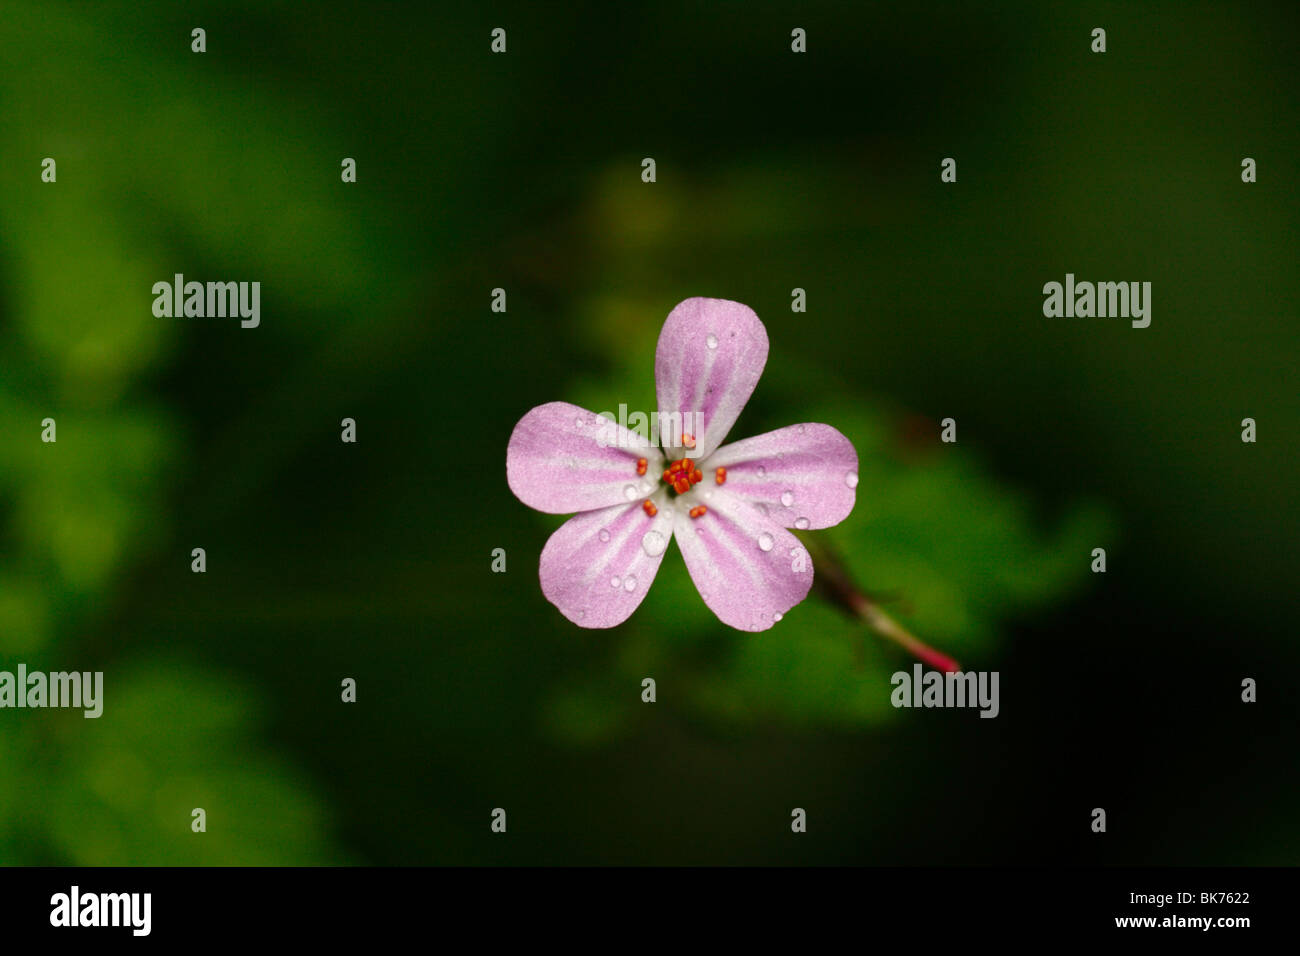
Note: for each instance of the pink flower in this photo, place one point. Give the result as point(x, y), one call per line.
point(728, 507)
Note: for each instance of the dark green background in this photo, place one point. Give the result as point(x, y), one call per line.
point(775, 171)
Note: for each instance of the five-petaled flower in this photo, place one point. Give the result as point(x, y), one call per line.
point(729, 507)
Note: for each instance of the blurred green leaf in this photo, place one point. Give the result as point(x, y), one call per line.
point(119, 789)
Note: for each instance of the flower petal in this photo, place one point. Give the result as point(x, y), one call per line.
point(805, 476)
point(747, 568)
point(597, 566)
point(562, 459)
point(710, 355)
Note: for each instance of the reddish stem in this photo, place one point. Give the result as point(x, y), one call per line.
point(834, 580)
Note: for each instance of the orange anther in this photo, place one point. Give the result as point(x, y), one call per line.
point(649, 507)
point(696, 477)
point(668, 476)
point(681, 486)
point(698, 510)
point(720, 476)
point(641, 465)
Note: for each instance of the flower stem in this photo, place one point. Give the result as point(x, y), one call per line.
point(886, 626)
point(834, 581)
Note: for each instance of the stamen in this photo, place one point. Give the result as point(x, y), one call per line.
point(688, 441)
point(720, 476)
point(641, 465)
point(682, 475)
point(698, 511)
point(649, 507)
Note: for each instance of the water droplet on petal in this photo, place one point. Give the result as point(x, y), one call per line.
point(787, 498)
point(629, 583)
point(582, 614)
point(604, 534)
point(801, 523)
point(629, 492)
point(851, 479)
point(765, 542)
point(653, 543)
point(777, 616)
point(616, 582)
point(762, 508)
point(802, 429)
point(711, 341)
point(762, 472)
point(578, 422)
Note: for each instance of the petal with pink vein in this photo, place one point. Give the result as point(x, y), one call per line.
point(710, 356)
point(747, 568)
point(803, 476)
point(597, 566)
point(562, 459)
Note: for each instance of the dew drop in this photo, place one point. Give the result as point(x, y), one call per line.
point(787, 498)
point(765, 542)
point(653, 543)
point(762, 472)
point(582, 614)
point(604, 534)
point(777, 616)
point(629, 583)
point(802, 429)
point(629, 492)
point(801, 523)
point(851, 479)
point(579, 422)
point(616, 582)
point(711, 341)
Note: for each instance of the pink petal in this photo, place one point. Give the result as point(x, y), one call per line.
point(597, 567)
point(747, 568)
point(710, 355)
point(556, 463)
point(805, 476)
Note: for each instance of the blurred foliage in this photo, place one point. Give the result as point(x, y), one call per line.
point(120, 789)
point(78, 341)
